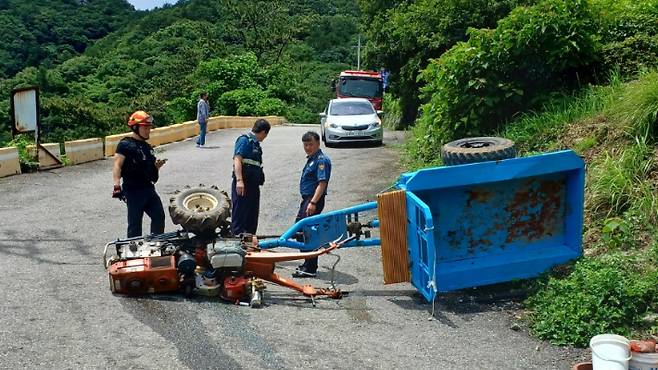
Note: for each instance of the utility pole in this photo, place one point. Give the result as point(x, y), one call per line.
point(358, 55)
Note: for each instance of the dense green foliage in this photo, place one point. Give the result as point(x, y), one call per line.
point(555, 46)
point(478, 84)
point(254, 58)
point(45, 33)
point(404, 35)
point(614, 289)
point(604, 295)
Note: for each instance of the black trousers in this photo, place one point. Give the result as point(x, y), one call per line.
point(244, 212)
point(311, 264)
point(140, 201)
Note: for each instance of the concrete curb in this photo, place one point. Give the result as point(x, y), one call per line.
point(9, 163)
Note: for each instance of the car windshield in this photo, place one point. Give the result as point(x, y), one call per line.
point(360, 87)
point(354, 108)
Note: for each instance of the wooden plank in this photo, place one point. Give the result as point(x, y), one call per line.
point(391, 209)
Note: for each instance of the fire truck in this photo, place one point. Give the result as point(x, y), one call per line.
point(360, 84)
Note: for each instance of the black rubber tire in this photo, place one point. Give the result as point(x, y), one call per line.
point(200, 209)
point(477, 149)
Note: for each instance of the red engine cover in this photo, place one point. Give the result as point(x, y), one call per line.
point(144, 275)
point(234, 288)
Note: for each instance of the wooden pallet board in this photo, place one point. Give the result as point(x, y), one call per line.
point(392, 213)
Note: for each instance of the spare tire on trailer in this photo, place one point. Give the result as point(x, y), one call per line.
point(200, 209)
point(477, 149)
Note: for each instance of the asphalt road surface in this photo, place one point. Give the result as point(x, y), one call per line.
point(57, 311)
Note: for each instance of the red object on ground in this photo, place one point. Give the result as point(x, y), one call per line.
point(200, 256)
point(643, 346)
point(144, 275)
point(235, 287)
point(582, 366)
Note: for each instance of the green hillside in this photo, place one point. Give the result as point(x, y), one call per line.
point(46, 33)
point(254, 58)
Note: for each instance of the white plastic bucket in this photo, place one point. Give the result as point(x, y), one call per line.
point(643, 361)
point(610, 352)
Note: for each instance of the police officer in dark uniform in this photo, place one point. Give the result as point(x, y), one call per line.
point(135, 163)
point(248, 176)
point(313, 188)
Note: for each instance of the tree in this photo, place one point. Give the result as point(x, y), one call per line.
point(403, 36)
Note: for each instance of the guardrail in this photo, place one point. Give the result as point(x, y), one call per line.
point(81, 151)
point(9, 163)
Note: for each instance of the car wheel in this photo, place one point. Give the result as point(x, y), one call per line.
point(477, 149)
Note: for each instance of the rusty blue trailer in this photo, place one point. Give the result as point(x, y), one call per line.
point(474, 224)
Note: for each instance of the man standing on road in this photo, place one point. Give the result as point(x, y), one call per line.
point(248, 176)
point(202, 112)
point(135, 163)
point(313, 188)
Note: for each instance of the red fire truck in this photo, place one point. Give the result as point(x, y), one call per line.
point(361, 84)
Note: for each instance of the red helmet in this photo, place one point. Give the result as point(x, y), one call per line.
point(140, 118)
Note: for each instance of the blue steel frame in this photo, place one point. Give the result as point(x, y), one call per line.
point(490, 222)
point(475, 224)
point(321, 229)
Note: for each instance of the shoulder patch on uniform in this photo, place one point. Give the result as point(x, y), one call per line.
point(321, 166)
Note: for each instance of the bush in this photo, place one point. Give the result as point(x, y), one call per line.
point(632, 55)
point(477, 85)
point(270, 107)
point(181, 109)
point(600, 296)
point(299, 114)
point(620, 19)
point(27, 162)
point(75, 118)
point(250, 102)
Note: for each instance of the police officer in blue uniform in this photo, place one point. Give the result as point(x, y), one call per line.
point(313, 189)
point(248, 176)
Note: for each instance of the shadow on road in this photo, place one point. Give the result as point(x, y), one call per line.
point(354, 145)
point(37, 248)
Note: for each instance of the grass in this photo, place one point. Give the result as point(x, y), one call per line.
point(542, 131)
point(613, 290)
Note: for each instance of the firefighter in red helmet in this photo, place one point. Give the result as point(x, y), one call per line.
point(135, 172)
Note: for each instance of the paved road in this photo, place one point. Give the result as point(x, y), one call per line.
point(57, 310)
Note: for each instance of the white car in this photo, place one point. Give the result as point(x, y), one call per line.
point(351, 120)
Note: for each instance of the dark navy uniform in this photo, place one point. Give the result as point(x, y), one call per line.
point(139, 173)
point(244, 215)
point(317, 168)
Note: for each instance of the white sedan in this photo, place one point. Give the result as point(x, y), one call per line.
point(351, 120)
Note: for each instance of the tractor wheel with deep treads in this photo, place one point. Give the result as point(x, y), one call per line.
point(200, 209)
point(477, 149)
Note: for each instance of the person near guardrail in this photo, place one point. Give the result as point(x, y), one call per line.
point(248, 176)
point(136, 165)
point(202, 113)
point(313, 189)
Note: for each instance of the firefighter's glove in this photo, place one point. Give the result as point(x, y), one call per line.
point(118, 193)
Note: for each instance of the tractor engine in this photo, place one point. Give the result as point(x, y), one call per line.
point(150, 266)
